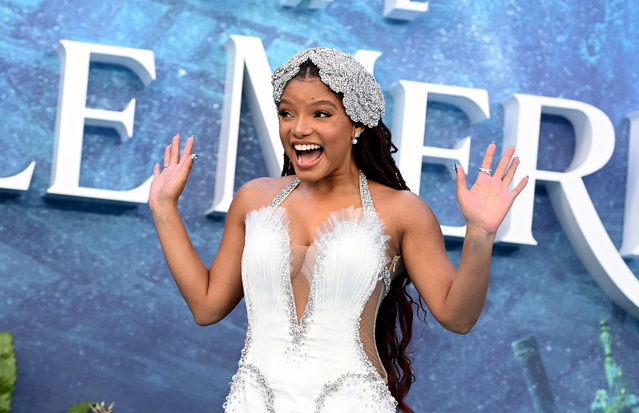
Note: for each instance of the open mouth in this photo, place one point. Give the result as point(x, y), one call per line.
point(307, 154)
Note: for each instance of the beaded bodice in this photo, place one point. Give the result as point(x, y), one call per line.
point(306, 365)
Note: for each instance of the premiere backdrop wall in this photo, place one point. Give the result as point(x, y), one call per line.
point(84, 288)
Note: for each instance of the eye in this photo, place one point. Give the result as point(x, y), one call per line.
point(283, 114)
point(322, 114)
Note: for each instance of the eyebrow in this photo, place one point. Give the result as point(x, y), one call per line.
point(315, 103)
point(324, 102)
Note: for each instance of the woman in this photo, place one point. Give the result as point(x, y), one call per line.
point(310, 254)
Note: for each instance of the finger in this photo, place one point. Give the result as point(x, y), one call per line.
point(500, 172)
point(175, 150)
point(156, 170)
point(187, 159)
point(489, 155)
point(461, 179)
point(520, 187)
point(188, 148)
point(510, 173)
point(167, 154)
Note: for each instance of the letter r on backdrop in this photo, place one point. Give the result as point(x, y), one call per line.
point(595, 141)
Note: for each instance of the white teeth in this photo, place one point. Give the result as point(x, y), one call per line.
point(309, 147)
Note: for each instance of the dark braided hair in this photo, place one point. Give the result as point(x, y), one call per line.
point(394, 325)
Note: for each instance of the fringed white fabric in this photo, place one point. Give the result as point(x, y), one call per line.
point(350, 214)
point(319, 363)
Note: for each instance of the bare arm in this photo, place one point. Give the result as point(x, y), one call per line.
point(456, 297)
point(210, 294)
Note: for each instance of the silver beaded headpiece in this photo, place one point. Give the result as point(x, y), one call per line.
point(363, 98)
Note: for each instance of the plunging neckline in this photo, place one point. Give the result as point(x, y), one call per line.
point(325, 230)
point(348, 257)
point(360, 215)
point(322, 231)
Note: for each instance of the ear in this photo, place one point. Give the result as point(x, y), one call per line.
point(358, 128)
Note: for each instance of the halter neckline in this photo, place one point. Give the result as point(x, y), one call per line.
point(365, 195)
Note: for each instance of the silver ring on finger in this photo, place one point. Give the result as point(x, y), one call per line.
point(487, 170)
point(166, 165)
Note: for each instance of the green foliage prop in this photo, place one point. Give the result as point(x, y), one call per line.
point(7, 371)
point(81, 408)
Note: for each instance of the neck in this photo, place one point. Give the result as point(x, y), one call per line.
point(337, 182)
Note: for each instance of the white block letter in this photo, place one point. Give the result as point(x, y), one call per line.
point(404, 9)
point(367, 58)
point(409, 124)
point(630, 243)
point(595, 140)
point(246, 60)
point(73, 115)
point(19, 182)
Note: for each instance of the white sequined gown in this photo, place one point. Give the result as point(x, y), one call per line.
point(321, 363)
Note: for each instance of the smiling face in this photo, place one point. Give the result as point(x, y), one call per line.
point(315, 131)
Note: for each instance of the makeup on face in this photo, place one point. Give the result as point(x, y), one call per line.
point(314, 127)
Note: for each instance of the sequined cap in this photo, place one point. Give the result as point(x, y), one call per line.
point(363, 98)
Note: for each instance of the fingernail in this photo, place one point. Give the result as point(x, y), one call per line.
point(494, 143)
point(195, 156)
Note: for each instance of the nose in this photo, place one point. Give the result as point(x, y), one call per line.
point(302, 127)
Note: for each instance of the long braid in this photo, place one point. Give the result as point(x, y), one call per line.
point(394, 325)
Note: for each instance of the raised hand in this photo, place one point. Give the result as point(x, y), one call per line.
point(487, 202)
point(169, 180)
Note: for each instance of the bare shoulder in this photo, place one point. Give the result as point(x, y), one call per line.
point(396, 199)
point(401, 210)
point(259, 192)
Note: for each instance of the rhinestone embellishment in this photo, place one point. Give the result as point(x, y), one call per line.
point(362, 378)
point(238, 380)
point(380, 395)
point(284, 193)
point(371, 217)
point(363, 98)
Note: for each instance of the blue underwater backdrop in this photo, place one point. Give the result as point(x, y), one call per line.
point(84, 288)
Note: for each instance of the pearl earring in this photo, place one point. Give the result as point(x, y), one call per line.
point(357, 135)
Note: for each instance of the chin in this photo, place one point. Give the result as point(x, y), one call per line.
point(308, 175)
